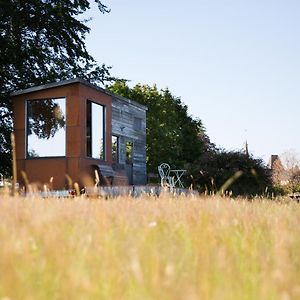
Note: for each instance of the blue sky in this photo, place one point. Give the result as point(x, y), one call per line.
point(235, 63)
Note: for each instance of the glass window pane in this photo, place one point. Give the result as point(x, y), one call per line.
point(46, 127)
point(137, 123)
point(129, 149)
point(95, 130)
point(115, 148)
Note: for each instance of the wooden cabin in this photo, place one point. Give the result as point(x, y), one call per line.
point(67, 130)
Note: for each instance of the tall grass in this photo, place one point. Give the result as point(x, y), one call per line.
point(149, 248)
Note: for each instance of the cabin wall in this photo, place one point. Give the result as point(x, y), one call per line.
point(124, 114)
point(75, 164)
point(40, 170)
point(123, 118)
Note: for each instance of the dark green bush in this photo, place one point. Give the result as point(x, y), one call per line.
point(230, 172)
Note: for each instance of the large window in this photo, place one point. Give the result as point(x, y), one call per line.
point(95, 130)
point(46, 127)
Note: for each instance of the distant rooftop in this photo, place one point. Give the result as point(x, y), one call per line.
point(72, 81)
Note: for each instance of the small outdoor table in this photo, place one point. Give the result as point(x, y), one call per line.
point(178, 175)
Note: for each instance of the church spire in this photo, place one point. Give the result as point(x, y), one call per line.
point(246, 148)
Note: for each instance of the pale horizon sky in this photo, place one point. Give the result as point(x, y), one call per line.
point(234, 63)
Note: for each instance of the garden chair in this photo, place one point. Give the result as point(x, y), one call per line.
point(165, 178)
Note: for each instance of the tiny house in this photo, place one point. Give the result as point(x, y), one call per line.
point(67, 130)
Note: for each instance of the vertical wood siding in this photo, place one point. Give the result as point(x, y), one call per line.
point(129, 124)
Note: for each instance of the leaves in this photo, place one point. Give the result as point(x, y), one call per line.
point(217, 171)
point(172, 135)
point(42, 41)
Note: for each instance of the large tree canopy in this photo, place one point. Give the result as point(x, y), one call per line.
point(41, 41)
point(172, 135)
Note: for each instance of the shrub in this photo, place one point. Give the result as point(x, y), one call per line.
point(248, 175)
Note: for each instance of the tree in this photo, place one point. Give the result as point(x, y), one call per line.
point(286, 172)
point(213, 171)
point(290, 160)
point(176, 138)
point(41, 41)
point(172, 135)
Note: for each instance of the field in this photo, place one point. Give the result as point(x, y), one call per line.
point(149, 248)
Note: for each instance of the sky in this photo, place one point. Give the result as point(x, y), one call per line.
point(234, 63)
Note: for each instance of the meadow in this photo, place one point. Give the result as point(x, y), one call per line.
point(149, 248)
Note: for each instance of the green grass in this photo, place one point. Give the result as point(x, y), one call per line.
point(149, 248)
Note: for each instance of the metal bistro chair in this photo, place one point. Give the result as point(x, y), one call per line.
point(165, 178)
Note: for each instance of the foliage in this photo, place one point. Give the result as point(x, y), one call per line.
point(295, 181)
point(286, 172)
point(213, 169)
point(172, 135)
point(176, 138)
point(41, 41)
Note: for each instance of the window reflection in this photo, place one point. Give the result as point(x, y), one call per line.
point(129, 150)
point(46, 127)
point(115, 148)
point(95, 130)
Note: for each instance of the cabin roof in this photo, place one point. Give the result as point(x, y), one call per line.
point(72, 81)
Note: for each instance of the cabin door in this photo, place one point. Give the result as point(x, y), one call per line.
point(129, 161)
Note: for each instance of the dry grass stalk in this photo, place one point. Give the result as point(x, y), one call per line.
point(14, 164)
point(77, 189)
point(25, 179)
point(149, 248)
point(69, 181)
point(97, 178)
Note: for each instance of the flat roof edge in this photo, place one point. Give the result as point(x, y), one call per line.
point(144, 107)
point(45, 86)
point(72, 81)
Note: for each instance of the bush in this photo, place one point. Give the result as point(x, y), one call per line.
point(230, 171)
